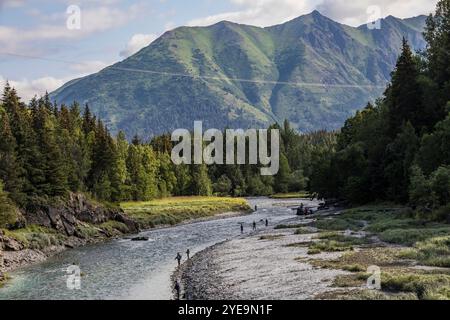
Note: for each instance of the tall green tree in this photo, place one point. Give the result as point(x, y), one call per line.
point(404, 95)
point(10, 168)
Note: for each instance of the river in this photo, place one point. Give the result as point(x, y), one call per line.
point(123, 269)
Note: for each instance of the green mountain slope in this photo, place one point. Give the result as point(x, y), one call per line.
point(311, 70)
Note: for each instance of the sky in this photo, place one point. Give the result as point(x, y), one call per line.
point(45, 43)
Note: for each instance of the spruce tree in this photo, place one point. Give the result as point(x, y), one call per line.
point(11, 170)
point(404, 95)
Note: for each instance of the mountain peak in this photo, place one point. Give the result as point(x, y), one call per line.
point(194, 73)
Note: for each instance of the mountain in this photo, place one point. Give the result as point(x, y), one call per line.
point(311, 70)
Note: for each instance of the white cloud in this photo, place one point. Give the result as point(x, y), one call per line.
point(136, 43)
point(93, 20)
point(270, 12)
point(260, 12)
point(27, 89)
point(355, 12)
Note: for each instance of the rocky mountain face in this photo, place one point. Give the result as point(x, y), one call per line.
point(312, 71)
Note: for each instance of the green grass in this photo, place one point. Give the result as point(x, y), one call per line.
point(425, 285)
point(329, 246)
point(339, 223)
point(433, 252)
point(335, 242)
point(170, 211)
point(114, 227)
point(36, 237)
point(400, 283)
point(362, 259)
point(411, 236)
point(392, 225)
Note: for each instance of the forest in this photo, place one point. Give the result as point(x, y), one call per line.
point(396, 149)
point(48, 151)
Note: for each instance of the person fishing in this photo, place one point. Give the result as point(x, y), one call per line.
point(177, 289)
point(178, 258)
point(188, 252)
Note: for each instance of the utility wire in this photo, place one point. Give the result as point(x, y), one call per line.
point(218, 78)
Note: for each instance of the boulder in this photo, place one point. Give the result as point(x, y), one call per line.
point(133, 226)
point(140, 239)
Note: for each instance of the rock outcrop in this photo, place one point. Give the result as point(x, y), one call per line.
point(66, 217)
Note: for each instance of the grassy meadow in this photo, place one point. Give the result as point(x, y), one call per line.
point(394, 238)
point(170, 211)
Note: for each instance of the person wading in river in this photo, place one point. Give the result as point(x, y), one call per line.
point(267, 223)
point(177, 289)
point(188, 252)
point(178, 258)
point(254, 226)
point(242, 228)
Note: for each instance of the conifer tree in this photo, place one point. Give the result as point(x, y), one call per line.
point(10, 170)
point(404, 95)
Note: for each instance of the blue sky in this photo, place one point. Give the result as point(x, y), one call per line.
point(111, 30)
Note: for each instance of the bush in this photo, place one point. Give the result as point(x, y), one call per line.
point(442, 214)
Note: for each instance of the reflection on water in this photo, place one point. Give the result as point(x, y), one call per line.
point(122, 269)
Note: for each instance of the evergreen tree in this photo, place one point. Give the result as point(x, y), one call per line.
point(404, 95)
point(400, 155)
point(437, 35)
point(282, 179)
point(201, 184)
point(10, 170)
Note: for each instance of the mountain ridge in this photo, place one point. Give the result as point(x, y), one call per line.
point(234, 75)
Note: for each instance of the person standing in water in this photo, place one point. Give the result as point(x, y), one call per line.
point(254, 226)
point(242, 228)
point(178, 258)
point(267, 223)
point(188, 252)
point(177, 289)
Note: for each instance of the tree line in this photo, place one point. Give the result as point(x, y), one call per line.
point(398, 148)
point(47, 151)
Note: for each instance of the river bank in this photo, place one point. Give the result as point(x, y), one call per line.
point(51, 231)
point(326, 256)
point(144, 268)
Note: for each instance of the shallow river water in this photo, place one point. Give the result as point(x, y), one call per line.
point(122, 269)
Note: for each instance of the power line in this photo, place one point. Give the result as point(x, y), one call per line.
point(202, 77)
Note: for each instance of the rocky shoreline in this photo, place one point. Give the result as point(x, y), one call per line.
point(264, 265)
point(67, 220)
